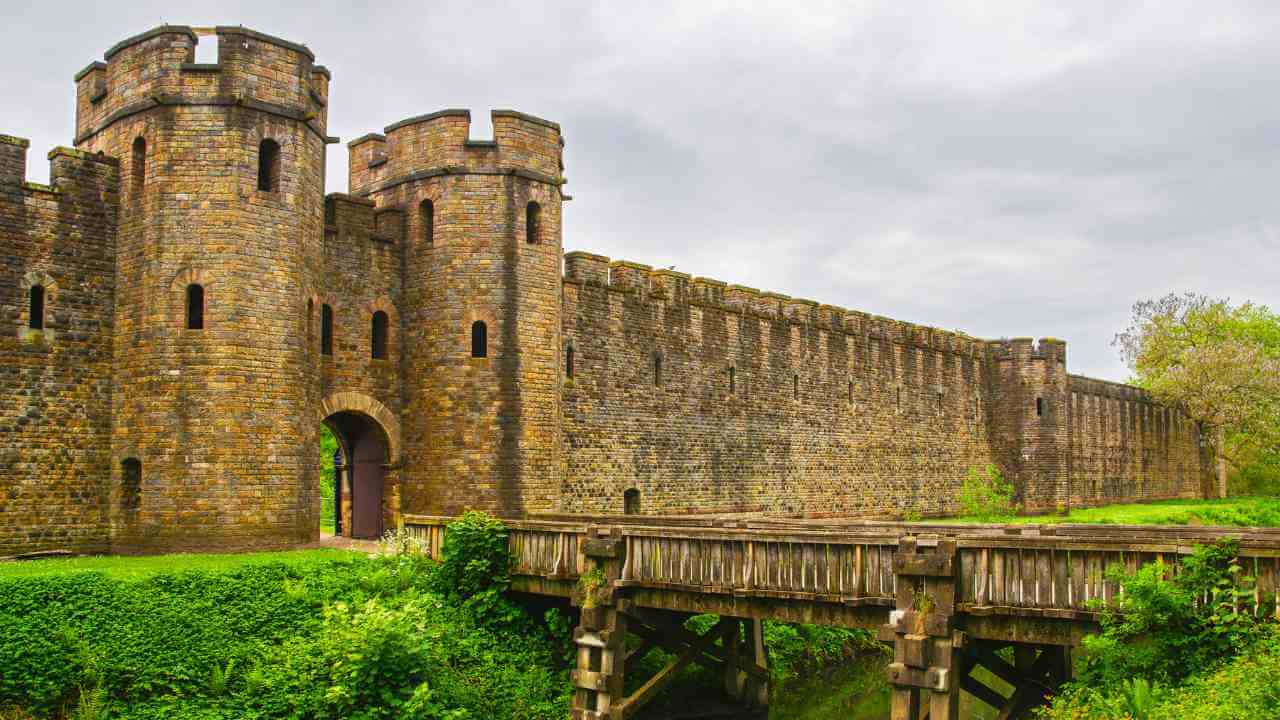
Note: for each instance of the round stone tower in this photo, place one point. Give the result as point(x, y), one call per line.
point(219, 243)
point(481, 306)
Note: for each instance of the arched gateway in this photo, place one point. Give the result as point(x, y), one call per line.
point(368, 437)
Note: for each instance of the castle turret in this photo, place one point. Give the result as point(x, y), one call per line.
point(1028, 419)
point(481, 305)
point(220, 227)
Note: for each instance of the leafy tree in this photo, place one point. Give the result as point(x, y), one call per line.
point(1217, 362)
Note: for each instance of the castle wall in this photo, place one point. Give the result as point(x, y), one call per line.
point(1123, 446)
point(830, 412)
point(55, 430)
point(596, 379)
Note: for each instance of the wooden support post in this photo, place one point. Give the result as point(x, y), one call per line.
point(926, 658)
point(602, 631)
point(756, 690)
point(734, 679)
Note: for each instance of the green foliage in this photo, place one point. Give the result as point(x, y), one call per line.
point(1219, 363)
point(357, 638)
point(328, 509)
point(476, 569)
point(139, 568)
point(987, 496)
point(1162, 631)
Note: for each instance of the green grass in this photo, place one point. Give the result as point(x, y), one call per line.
point(1236, 511)
point(138, 568)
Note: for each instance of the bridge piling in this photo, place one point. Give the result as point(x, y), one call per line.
point(927, 645)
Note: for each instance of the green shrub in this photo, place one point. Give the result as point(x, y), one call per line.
point(1161, 632)
point(362, 638)
point(476, 568)
point(987, 496)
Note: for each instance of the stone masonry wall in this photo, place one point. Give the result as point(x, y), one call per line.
point(601, 381)
point(828, 412)
point(55, 447)
point(1123, 446)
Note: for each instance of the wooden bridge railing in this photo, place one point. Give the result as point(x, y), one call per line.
point(1012, 570)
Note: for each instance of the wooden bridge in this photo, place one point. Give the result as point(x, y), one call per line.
point(949, 597)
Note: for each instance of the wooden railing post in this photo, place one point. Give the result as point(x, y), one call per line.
point(602, 630)
point(926, 658)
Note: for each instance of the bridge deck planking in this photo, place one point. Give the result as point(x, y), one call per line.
point(1016, 583)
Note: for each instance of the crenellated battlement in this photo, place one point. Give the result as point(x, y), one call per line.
point(1025, 348)
point(157, 67)
point(439, 143)
point(645, 284)
point(68, 168)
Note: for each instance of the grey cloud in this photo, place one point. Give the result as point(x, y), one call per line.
point(1023, 169)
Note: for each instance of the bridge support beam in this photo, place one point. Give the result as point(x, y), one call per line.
point(612, 633)
point(927, 646)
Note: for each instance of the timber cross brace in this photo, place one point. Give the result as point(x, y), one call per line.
point(933, 658)
point(733, 648)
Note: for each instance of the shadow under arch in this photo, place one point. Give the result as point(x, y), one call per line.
point(368, 436)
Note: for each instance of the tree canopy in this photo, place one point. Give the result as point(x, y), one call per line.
point(1217, 362)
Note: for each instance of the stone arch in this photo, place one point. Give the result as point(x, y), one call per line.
point(188, 276)
point(356, 402)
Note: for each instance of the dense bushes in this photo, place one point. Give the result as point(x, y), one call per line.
point(367, 638)
point(1163, 637)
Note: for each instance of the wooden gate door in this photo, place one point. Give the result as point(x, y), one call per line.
point(366, 486)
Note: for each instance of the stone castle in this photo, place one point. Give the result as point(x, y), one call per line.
point(182, 307)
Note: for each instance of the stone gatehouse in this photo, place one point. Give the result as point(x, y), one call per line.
point(182, 307)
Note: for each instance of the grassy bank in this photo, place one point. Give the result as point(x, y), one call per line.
point(138, 568)
point(310, 634)
point(1236, 511)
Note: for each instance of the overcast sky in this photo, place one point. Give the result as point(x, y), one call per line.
point(1001, 168)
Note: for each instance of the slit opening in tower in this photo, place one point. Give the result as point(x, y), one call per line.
point(532, 223)
point(427, 216)
point(130, 484)
point(479, 339)
point(657, 370)
point(35, 309)
point(1039, 407)
point(631, 502)
point(269, 166)
point(326, 330)
point(139, 163)
point(195, 307)
point(733, 380)
point(568, 361)
point(379, 332)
